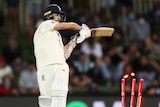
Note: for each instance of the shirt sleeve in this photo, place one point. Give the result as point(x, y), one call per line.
point(48, 25)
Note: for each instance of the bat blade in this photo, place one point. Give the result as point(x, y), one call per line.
point(102, 32)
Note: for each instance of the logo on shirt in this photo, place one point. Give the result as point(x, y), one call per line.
point(53, 21)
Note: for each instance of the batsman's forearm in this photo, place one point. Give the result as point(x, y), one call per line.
point(68, 48)
point(75, 26)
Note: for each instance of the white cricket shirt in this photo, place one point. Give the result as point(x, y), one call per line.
point(48, 45)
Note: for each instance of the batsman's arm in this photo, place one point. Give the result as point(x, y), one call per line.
point(78, 38)
point(67, 26)
point(68, 48)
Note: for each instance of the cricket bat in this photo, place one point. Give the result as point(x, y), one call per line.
point(102, 32)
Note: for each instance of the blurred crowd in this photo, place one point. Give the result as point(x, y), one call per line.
point(97, 62)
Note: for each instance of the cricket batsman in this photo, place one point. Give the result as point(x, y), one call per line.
point(51, 55)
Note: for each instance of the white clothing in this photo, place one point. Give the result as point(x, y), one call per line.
point(53, 79)
point(53, 84)
point(52, 69)
point(7, 70)
point(48, 45)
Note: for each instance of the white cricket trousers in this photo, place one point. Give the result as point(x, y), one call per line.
point(53, 85)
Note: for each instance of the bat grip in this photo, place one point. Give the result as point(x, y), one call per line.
point(74, 37)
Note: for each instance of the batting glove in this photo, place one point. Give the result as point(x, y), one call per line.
point(85, 32)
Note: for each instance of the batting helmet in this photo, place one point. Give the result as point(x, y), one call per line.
point(53, 8)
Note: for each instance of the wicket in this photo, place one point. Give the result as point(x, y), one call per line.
point(133, 90)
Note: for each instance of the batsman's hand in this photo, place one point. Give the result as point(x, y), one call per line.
point(84, 33)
